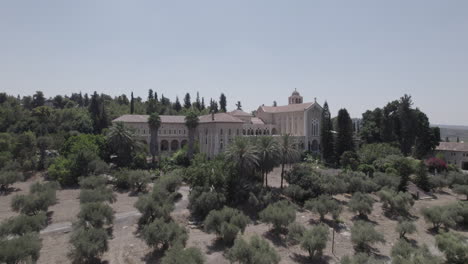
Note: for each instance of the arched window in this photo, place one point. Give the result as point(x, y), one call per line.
point(315, 128)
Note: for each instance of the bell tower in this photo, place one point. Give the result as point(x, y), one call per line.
point(295, 98)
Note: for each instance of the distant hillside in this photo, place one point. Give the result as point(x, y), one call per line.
point(452, 132)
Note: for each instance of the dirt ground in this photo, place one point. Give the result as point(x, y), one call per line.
point(126, 247)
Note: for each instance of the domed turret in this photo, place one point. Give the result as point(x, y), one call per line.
point(295, 98)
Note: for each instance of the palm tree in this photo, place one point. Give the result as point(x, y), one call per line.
point(154, 122)
point(123, 143)
point(288, 153)
point(191, 121)
point(243, 154)
point(269, 154)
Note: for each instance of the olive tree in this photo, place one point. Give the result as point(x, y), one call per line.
point(361, 203)
point(258, 250)
point(405, 227)
point(179, 255)
point(88, 244)
point(162, 234)
point(323, 205)
point(315, 240)
point(454, 246)
point(363, 236)
point(279, 214)
point(226, 223)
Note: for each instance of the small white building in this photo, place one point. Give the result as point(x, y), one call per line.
point(455, 153)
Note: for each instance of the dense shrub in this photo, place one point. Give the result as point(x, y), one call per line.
point(295, 233)
point(157, 204)
point(405, 227)
point(7, 178)
point(305, 177)
point(332, 184)
point(179, 255)
point(360, 258)
point(369, 153)
point(204, 200)
point(441, 215)
point(350, 160)
point(361, 203)
point(135, 180)
point(396, 203)
point(455, 177)
point(454, 246)
point(92, 182)
point(171, 181)
point(256, 251)
point(422, 179)
point(435, 164)
point(279, 214)
point(60, 171)
point(367, 169)
point(160, 233)
point(383, 180)
point(98, 195)
point(21, 249)
point(438, 181)
point(88, 244)
point(40, 198)
point(358, 182)
point(364, 236)
point(405, 253)
point(262, 199)
point(226, 223)
point(296, 193)
point(461, 189)
point(315, 240)
point(95, 215)
point(23, 224)
point(323, 205)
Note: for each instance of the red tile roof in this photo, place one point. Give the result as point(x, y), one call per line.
point(452, 146)
point(219, 118)
point(173, 119)
point(286, 108)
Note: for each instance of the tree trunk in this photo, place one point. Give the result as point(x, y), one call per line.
point(190, 143)
point(266, 179)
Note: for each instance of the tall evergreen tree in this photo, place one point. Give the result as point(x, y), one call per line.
point(187, 102)
point(177, 105)
point(213, 106)
point(197, 102)
point(98, 113)
point(38, 99)
point(426, 138)
point(275, 104)
point(132, 104)
point(422, 180)
point(150, 94)
point(407, 134)
point(202, 107)
point(156, 96)
point(86, 100)
point(344, 139)
point(154, 122)
point(222, 103)
point(326, 136)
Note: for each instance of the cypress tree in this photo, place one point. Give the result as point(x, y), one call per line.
point(132, 104)
point(406, 124)
point(197, 102)
point(422, 181)
point(202, 107)
point(344, 139)
point(187, 103)
point(326, 136)
point(150, 94)
point(86, 100)
point(222, 103)
point(177, 105)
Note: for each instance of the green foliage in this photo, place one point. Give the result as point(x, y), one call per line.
point(326, 137)
point(358, 182)
point(95, 215)
point(226, 223)
point(279, 214)
point(367, 169)
point(323, 205)
point(23, 224)
point(454, 246)
point(404, 168)
point(441, 215)
point(315, 240)
point(405, 227)
point(170, 181)
point(256, 251)
point(88, 244)
point(84, 142)
point(364, 236)
point(40, 198)
point(422, 180)
point(405, 253)
point(308, 181)
point(135, 180)
point(203, 200)
point(243, 154)
point(360, 258)
point(344, 138)
point(178, 255)
point(396, 203)
point(295, 233)
point(369, 153)
point(160, 233)
point(123, 143)
point(157, 204)
point(21, 249)
point(7, 178)
point(60, 171)
point(94, 190)
point(389, 181)
point(461, 189)
point(349, 160)
point(361, 203)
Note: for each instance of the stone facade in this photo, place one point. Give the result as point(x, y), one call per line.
point(216, 131)
point(455, 153)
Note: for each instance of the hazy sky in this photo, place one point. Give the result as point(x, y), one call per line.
point(355, 54)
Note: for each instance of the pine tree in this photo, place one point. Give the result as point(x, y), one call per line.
point(222, 103)
point(86, 100)
point(177, 105)
point(187, 103)
point(406, 124)
point(98, 113)
point(344, 139)
point(197, 102)
point(326, 136)
point(132, 104)
point(156, 96)
point(150, 94)
point(202, 107)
